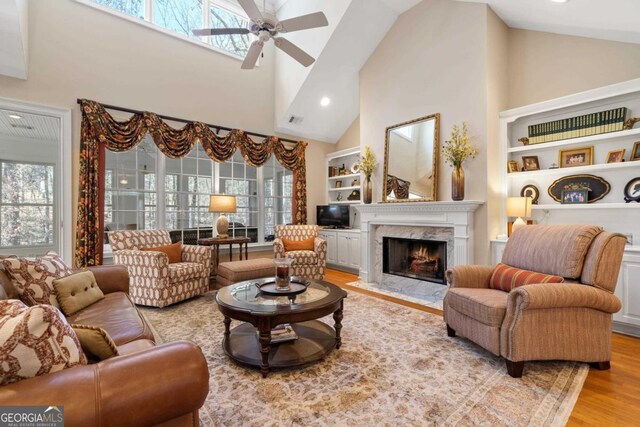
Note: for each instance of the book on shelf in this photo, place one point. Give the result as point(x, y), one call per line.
point(281, 333)
point(579, 126)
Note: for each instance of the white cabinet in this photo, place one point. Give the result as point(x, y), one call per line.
point(627, 320)
point(330, 237)
point(343, 248)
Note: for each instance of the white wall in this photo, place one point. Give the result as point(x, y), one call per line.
point(433, 60)
point(79, 52)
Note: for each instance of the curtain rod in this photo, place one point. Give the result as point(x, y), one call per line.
point(176, 119)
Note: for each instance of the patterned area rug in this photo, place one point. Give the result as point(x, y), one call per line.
point(396, 367)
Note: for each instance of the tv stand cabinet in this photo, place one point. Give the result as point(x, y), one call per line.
point(343, 248)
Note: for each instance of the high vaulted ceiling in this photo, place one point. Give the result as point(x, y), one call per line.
point(617, 20)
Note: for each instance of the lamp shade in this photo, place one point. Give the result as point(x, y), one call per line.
point(519, 207)
point(222, 203)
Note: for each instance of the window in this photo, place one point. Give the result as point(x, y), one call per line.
point(263, 195)
point(130, 188)
point(26, 205)
point(183, 16)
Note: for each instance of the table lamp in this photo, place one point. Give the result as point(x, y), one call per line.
point(222, 203)
point(519, 207)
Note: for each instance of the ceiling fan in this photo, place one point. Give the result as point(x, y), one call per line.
point(266, 29)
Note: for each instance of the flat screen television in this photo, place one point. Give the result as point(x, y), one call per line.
point(336, 216)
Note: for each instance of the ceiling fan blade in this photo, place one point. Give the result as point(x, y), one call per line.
point(252, 11)
point(294, 51)
point(252, 55)
point(304, 22)
point(220, 31)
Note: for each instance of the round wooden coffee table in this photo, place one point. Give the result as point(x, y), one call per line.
point(250, 342)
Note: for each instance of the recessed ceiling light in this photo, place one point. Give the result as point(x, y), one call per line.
point(559, 1)
point(15, 116)
point(325, 101)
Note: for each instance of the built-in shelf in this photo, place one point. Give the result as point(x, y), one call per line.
point(576, 141)
point(351, 175)
point(577, 169)
point(604, 205)
point(355, 187)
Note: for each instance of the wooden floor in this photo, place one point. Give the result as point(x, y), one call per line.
point(608, 398)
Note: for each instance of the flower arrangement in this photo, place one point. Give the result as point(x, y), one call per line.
point(367, 164)
point(458, 148)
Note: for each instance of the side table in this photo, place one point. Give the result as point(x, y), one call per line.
point(216, 242)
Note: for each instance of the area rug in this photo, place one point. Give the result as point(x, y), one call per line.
point(396, 367)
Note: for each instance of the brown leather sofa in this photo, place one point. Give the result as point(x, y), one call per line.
point(144, 385)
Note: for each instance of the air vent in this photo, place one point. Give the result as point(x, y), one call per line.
point(295, 120)
point(22, 127)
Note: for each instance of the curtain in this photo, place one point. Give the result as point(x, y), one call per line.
point(99, 131)
point(400, 187)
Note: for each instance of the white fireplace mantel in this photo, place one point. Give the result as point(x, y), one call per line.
point(457, 215)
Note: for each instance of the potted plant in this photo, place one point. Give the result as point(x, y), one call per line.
point(367, 165)
point(456, 151)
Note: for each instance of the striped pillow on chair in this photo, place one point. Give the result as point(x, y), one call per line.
point(505, 278)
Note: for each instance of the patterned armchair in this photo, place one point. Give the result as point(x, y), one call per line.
point(308, 264)
point(153, 281)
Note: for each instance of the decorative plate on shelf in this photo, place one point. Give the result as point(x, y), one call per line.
point(355, 168)
point(632, 190)
point(596, 186)
point(532, 191)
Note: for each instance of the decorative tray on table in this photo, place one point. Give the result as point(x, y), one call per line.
point(297, 286)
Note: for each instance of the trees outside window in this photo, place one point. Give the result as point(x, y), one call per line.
point(26, 204)
point(183, 16)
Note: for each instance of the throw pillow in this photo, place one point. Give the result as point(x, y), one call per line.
point(77, 291)
point(96, 342)
point(33, 277)
point(506, 278)
point(298, 245)
point(173, 251)
point(35, 341)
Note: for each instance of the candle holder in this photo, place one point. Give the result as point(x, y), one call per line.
point(283, 273)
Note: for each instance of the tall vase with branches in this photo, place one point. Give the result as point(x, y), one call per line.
point(367, 165)
point(455, 152)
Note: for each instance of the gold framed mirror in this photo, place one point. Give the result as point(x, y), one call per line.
point(411, 152)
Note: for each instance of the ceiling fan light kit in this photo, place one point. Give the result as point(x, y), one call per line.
point(266, 29)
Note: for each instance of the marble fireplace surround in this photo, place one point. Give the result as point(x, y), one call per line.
point(449, 221)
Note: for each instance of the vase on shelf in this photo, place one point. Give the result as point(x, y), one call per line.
point(457, 183)
point(366, 191)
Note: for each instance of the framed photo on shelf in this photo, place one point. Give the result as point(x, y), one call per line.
point(530, 163)
point(582, 156)
point(615, 156)
point(512, 166)
point(635, 153)
point(575, 197)
point(632, 190)
point(339, 183)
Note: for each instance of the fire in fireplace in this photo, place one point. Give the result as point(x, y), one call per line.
point(413, 258)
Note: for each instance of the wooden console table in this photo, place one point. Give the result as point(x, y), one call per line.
point(218, 241)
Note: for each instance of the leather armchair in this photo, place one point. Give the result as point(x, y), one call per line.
point(547, 321)
point(306, 263)
point(155, 282)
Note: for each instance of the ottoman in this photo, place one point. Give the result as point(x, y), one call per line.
point(238, 271)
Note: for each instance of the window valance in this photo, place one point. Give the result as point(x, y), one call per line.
point(101, 131)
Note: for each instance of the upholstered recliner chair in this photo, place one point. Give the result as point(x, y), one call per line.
point(154, 281)
point(541, 321)
point(309, 264)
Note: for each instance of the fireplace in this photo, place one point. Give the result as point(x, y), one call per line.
point(415, 258)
